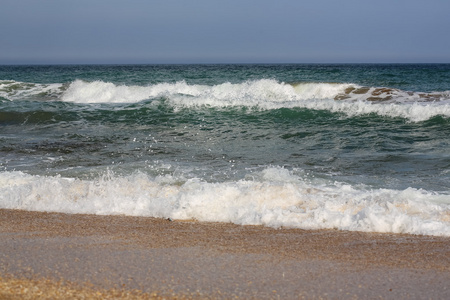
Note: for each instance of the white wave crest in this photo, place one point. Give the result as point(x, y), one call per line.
point(276, 198)
point(248, 93)
point(348, 99)
point(103, 92)
point(415, 112)
point(14, 90)
point(321, 90)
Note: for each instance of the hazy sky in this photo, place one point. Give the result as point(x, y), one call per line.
point(228, 31)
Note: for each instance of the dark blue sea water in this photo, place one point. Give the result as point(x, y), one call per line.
point(352, 147)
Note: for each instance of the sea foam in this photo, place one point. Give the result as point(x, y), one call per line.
point(274, 197)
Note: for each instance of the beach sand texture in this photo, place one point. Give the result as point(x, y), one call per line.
point(139, 257)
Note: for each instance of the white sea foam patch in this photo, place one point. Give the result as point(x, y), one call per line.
point(274, 197)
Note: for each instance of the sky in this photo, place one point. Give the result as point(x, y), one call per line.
point(228, 31)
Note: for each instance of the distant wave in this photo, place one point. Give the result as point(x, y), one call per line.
point(274, 198)
point(350, 99)
point(16, 90)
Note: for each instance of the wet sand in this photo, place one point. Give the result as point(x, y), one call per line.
point(189, 259)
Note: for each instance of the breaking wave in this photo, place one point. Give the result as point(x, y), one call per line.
point(349, 99)
point(274, 197)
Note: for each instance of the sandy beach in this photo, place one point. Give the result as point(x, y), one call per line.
point(189, 259)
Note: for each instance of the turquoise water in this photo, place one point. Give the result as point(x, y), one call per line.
point(352, 147)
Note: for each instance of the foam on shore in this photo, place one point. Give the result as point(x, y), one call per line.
point(274, 197)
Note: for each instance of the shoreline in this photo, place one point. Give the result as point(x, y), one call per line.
point(220, 260)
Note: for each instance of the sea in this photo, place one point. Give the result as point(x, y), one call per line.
point(359, 147)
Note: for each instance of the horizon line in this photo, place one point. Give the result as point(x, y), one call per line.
point(218, 63)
